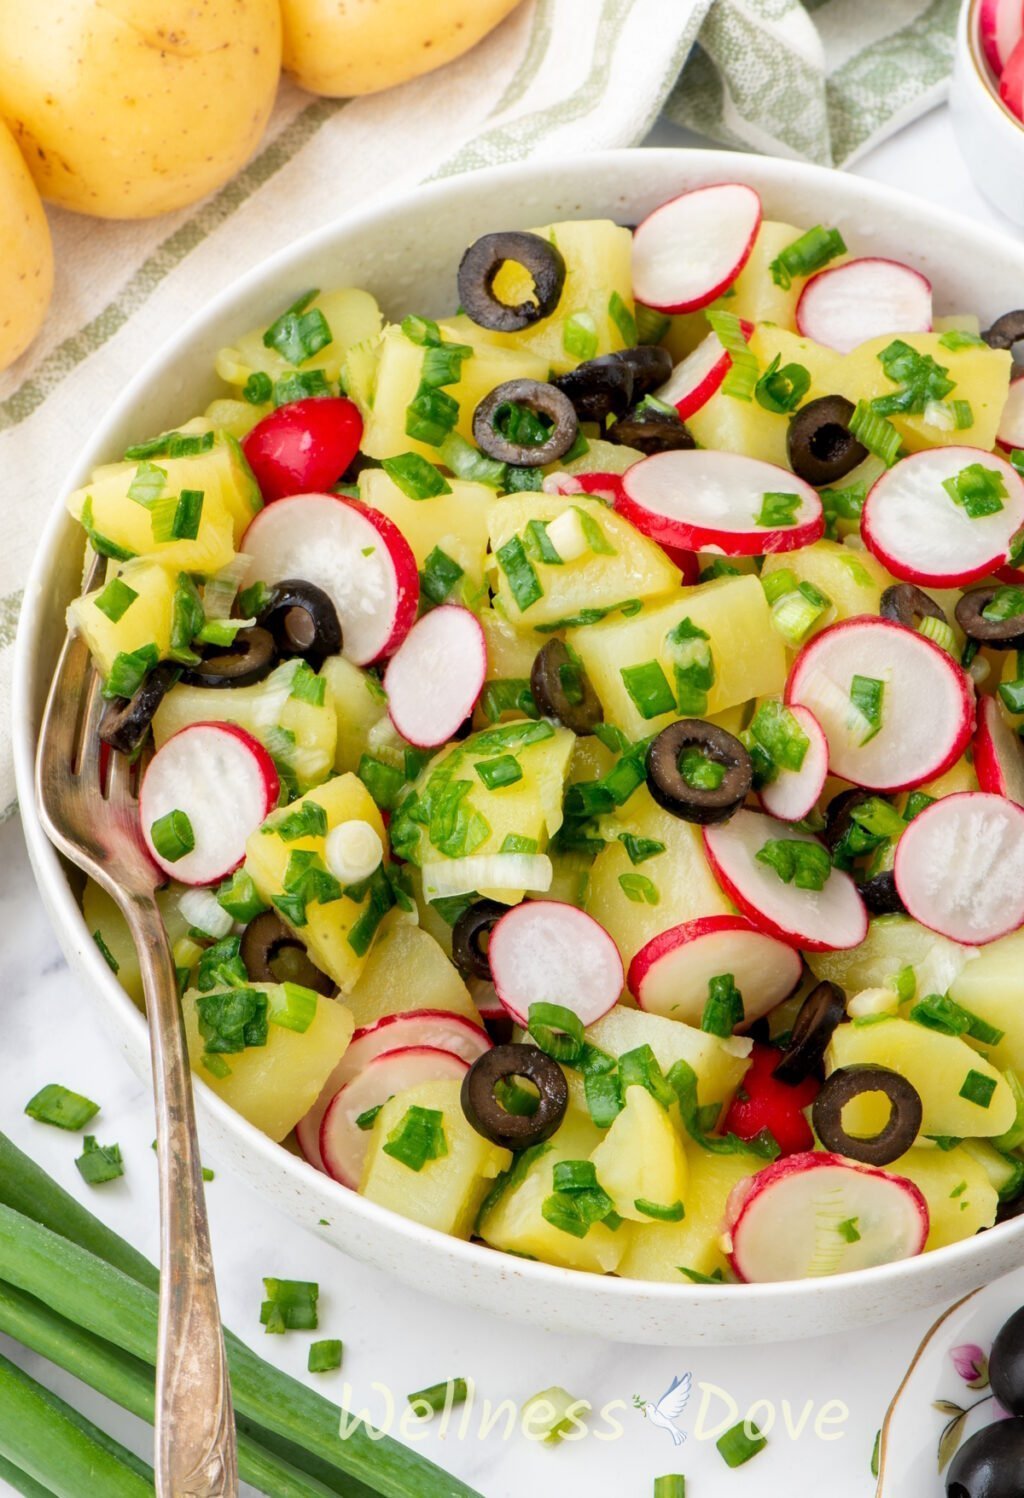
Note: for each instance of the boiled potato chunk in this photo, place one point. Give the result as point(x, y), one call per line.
point(353, 317)
point(641, 1158)
point(853, 580)
point(992, 987)
point(455, 523)
point(894, 942)
point(406, 969)
point(447, 1192)
point(719, 1064)
point(26, 254)
point(358, 704)
point(146, 619)
point(658, 1249)
point(105, 922)
point(961, 1198)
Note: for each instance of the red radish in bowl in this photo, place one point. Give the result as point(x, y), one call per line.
point(303, 447)
point(1000, 26)
point(998, 753)
point(356, 555)
point(604, 485)
point(224, 782)
point(1011, 422)
point(343, 1144)
point(863, 299)
point(695, 380)
point(692, 248)
point(793, 1219)
point(544, 952)
point(959, 867)
point(826, 920)
point(671, 973)
point(793, 794)
point(435, 676)
point(763, 1102)
point(704, 499)
point(1011, 83)
point(895, 708)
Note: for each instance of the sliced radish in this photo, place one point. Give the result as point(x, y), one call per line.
point(694, 381)
point(692, 248)
point(1001, 26)
point(303, 447)
point(998, 753)
point(863, 299)
point(926, 708)
point(544, 952)
point(826, 920)
point(343, 1144)
point(435, 676)
point(960, 867)
point(793, 794)
point(224, 782)
point(1011, 83)
point(701, 499)
point(356, 555)
point(687, 561)
point(922, 535)
point(670, 975)
point(437, 1029)
point(604, 485)
point(793, 1220)
point(1011, 422)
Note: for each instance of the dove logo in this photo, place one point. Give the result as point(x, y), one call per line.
point(669, 1407)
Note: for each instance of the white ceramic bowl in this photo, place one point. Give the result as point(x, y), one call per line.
point(990, 137)
point(406, 253)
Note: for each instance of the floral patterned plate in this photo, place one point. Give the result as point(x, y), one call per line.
point(945, 1395)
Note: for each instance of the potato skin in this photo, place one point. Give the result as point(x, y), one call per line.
point(347, 47)
point(127, 108)
point(26, 254)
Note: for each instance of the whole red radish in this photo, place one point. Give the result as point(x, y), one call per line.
point(763, 1102)
point(303, 447)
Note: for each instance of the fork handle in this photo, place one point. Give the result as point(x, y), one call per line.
point(195, 1427)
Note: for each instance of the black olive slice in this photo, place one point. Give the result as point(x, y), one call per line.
point(669, 787)
point(125, 721)
point(468, 933)
point(650, 431)
point(839, 814)
point(1006, 330)
point(821, 447)
point(997, 634)
point(264, 940)
point(514, 1131)
point(563, 690)
point(251, 657)
point(904, 604)
point(990, 1464)
point(543, 400)
point(880, 894)
point(482, 262)
point(849, 1082)
point(823, 1009)
point(651, 366)
point(303, 621)
point(598, 388)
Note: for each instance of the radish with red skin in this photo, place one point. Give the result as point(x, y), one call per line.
point(435, 676)
point(671, 973)
point(794, 794)
point(959, 867)
point(922, 535)
point(687, 561)
point(604, 485)
point(703, 499)
point(225, 783)
point(1011, 422)
point(697, 377)
point(846, 305)
point(303, 447)
point(437, 1029)
point(998, 753)
point(763, 1102)
point(926, 710)
point(544, 952)
point(1011, 83)
point(818, 1214)
point(692, 248)
point(343, 1144)
point(355, 554)
point(827, 920)
point(1000, 27)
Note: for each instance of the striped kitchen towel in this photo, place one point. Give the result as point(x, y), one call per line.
point(821, 80)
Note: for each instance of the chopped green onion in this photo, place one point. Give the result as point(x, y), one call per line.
point(741, 379)
point(574, 1175)
point(700, 772)
point(518, 569)
point(579, 335)
point(920, 378)
point(978, 1088)
point(848, 1230)
point(307, 686)
point(719, 567)
point(148, 484)
point(99, 1162)
point(290, 1306)
point(955, 339)
point(866, 696)
point(879, 436)
point(807, 865)
point(101, 544)
point(976, 489)
point(522, 480)
point(782, 390)
point(507, 695)
point(939, 632)
point(539, 544)
point(1007, 603)
point(651, 326)
point(258, 388)
point(416, 478)
point(427, 1402)
point(672, 1486)
point(116, 599)
point(551, 1414)
point(638, 888)
point(795, 614)
point(417, 1137)
point(421, 330)
point(239, 897)
point(697, 1278)
point(779, 733)
point(693, 666)
point(296, 1009)
point(495, 773)
point(106, 953)
point(299, 384)
point(368, 1118)
point(517, 1100)
point(842, 504)
point(298, 334)
point(383, 782)
point(128, 670)
point(813, 250)
point(740, 1443)
point(640, 1068)
point(439, 576)
point(640, 849)
point(431, 415)
point(648, 689)
point(59, 1106)
point(575, 1212)
point(172, 836)
point(623, 319)
point(309, 820)
point(324, 1356)
point(778, 510)
point(468, 462)
point(556, 1030)
point(724, 1008)
point(232, 1021)
point(673, 1212)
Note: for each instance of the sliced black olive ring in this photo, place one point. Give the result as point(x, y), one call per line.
point(514, 1131)
point(126, 720)
point(650, 431)
point(651, 366)
point(1006, 330)
point(303, 621)
point(598, 388)
point(563, 690)
point(880, 894)
point(997, 634)
point(823, 1009)
point(537, 396)
point(821, 447)
point(850, 1082)
point(264, 940)
point(838, 815)
point(251, 657)
point(472, 927)
point(671, 790)
point(904, 604)
point(483, 260)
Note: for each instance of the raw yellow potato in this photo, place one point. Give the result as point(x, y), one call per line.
point(657, 1250)
point(992, 987)
point(982, 377)
point(456, 523)
point(362, 46)
point(853, 580)
point(640, 1158)
point(406, 969)
point(274, 1085)
point(358, 704)
point(146, 619)
point(26, 254)
point(105, 922)
point(961, 1198)
point(352, 316)
point(747, 653)
point(719, 1064)
point(937, 1065)
point(894, 942)
point(446, 1193)
point(131, 108)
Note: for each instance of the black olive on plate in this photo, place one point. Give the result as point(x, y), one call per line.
point(839, 815)
point(850, 1082)
point(598, 388)
point(251, 657)
point(990, 1464)
point(483, 260)
point(650, 430)
point(1006, 330)
point(817, 1018)
point(904, 604)
point(880, 894)
point(303, 621)
point(821, 447)
point(651, 366)
point(484, 1113)
point(266, 941)
point(682, 794)
point(540, 398)
point(1006, 1364)
point(468, 934)
point(125, 721)
point(997, 634)
point(563, 690)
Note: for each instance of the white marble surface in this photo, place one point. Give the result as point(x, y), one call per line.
point(833, 1391)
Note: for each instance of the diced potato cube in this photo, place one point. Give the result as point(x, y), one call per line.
point(641, 1158)
point(657, 1250)
point(352, 316)
point(961, 1198)
point(146, 619)
point(456, 523)
point(852, 579)
point(406, 969)
point(992, 987)
point(358, 703)
point(893, 942)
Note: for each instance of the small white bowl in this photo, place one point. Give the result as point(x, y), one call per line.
point(989, 135)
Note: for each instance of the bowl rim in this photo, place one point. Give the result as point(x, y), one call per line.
point(979, 63)
point(695, 165)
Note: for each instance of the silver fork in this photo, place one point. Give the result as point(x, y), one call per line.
point(97, 827)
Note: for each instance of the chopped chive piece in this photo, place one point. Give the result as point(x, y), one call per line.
point(639, 1068)
point(879, 436)
point(813, 250)
point(232, 1021)
point(1007, 603)
point(807, 865)
point(782, 390)
point(116, 599)
point(866, 694)
point(651, 326)
point(290, 1306)
point(741, 379)
point(777, 584)
point(575, 1212)
point(955, 339)
point(258, 388)
point(842, 504)
point(848, 1230)
point(324, 1356)
point(221, 966)
point(172, 836)
point(427, 1402)
point(518, 569)
point(439, 576)
point(700, 772)
point(623, 319)
point(421, 330)
point(939, 1012)
point(298, 334)
point(508, 695)
point(515, 1099)
point(778, 510)
point(796, 612)
point(522, 480)
point(495, 773)
point(415, 476)
point(693, 665)
point(920, 378)
point(723, 1010)
point(552, 1414)
point(718, 1278)
point(978, 1088)
point(779, 734)
point(128, 670)
point(740, 1443)
point(939, 632)
point(100, 543)
point(307, 686)
point(417, 1137)
point(296, 1009)
point(640, 849)
point(214, 1064)
point(238, 896)
point(431, 415)
point(638, 888)
point(106, 953)
point(648, 689)
point(384, 782)
point(367, 1119)
point(1011, 694)
point(556, 1030)
point(300, 384)
point(99, 1162)
point(309, 820)
point(673, 1212)
point(976, 489)
point(579, 336)
point(574, 1175)
point(59, 1106)
point(148, 484)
